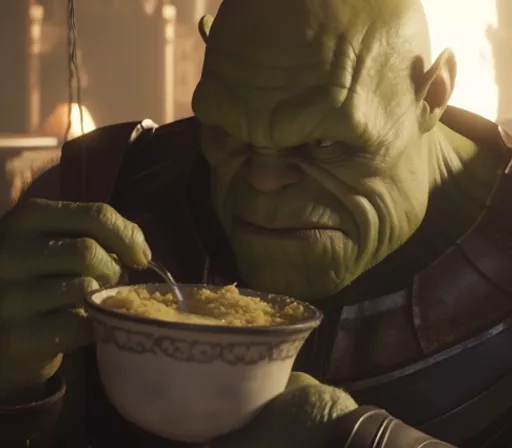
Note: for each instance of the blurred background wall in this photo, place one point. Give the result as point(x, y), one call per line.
point(138, 59)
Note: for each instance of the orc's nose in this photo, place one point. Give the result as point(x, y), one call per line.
point(269, 174)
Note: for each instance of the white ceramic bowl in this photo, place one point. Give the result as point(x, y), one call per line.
point(190, 382)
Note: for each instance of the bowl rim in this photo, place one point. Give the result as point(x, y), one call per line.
point(299, 327)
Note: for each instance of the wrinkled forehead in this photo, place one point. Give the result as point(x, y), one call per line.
point(272, 32)
point(289, 61)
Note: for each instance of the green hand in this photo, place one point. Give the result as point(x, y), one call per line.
point(304, 415)
point(51, 255)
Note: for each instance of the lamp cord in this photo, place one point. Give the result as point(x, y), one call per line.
point(73, 71)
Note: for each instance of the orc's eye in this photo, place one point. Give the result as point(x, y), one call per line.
point(328, 151)
point(322, 143)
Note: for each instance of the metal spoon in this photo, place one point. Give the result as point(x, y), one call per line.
point(166, 275)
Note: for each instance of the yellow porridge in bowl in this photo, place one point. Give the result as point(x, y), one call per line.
point(225, 306)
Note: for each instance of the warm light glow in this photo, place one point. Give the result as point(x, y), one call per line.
point(57, 123)
point(462, 25)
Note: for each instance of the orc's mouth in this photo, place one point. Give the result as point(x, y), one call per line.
point(298, 230)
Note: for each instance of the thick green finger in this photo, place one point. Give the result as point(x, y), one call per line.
point(45, 336)
point(27, 299)
point(97, 221)
point(30, 258)
point(298, 379)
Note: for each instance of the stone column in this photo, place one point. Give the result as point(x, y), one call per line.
point(15, 61)
point(189, 52)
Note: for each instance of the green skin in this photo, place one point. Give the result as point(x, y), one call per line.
point(317, 114)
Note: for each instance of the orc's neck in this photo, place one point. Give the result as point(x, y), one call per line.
point(464, 176)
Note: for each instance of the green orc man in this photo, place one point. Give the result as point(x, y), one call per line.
point(323, 163)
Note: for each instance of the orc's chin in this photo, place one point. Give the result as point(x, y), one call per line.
point(307, 270)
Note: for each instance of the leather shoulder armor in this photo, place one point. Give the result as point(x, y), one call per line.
point(94, 165)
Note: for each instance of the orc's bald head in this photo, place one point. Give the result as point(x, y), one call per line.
point(315, 114)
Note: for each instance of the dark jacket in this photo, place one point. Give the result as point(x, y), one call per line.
point(411, 345)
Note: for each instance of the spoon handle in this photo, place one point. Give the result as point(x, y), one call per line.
point(161, 270)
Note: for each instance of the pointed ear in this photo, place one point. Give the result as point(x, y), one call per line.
point(204, 25)
point(434, 90)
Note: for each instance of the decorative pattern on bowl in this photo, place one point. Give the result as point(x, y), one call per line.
point(195, 350)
